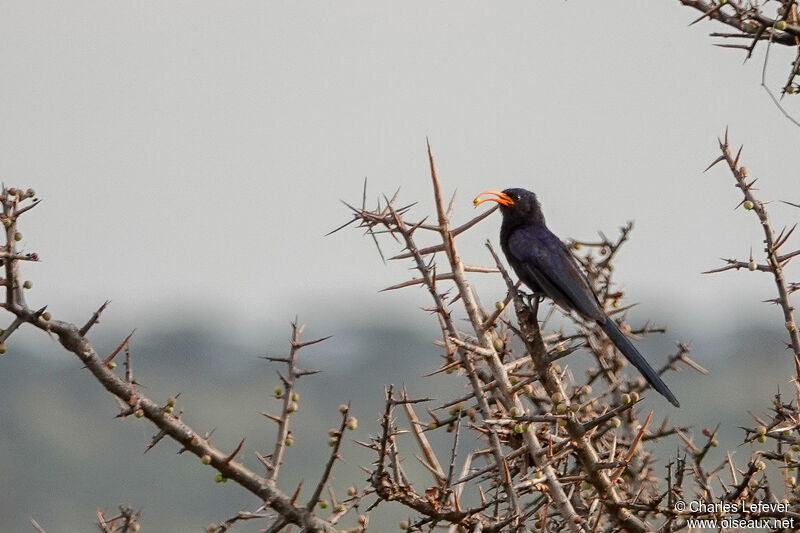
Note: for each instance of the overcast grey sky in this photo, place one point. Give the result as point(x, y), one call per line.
point(193, 153)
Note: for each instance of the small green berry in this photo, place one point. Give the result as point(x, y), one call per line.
point(626, 398)
point(403, 525)
point(2, 349)
point(352, 491)
point(339, 509)
point(168, 409)
point(206, 459)
point(616, 422)
point(18, 236)
point(278, 392)
point(780, 25)
point(171, 401)
point(139, 413)
point(289, 440)
point(219, 478)
point(352, 423)
point(46, 316)
point(332, 442)
point(561, 408)
point(323, 504)
point(27, 285)
point(748, 205)
point(295, 397)
point(499, 305)
point(292, 407)
point(762, 438)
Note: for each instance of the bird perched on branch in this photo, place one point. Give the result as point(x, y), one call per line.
point(544, 263)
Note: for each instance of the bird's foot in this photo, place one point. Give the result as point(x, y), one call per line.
point(525, 297)
point(533, 298)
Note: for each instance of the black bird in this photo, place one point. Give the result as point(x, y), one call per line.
point(545, 264)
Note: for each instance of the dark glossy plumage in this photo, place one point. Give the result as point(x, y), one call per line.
point(544, 263)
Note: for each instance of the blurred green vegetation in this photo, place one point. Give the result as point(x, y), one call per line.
point(63, 454)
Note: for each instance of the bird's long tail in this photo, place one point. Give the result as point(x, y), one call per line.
point(632, 354)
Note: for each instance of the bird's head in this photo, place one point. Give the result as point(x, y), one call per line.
point(517, 205)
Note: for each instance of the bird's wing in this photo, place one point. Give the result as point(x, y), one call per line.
point(542, 255)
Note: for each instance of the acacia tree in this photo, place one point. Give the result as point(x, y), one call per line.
point(552, 450)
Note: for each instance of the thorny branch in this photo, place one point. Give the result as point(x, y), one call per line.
point(775, 261)
point(773, 21)
point(15, 203)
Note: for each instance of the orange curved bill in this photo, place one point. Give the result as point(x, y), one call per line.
point(493, 196)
